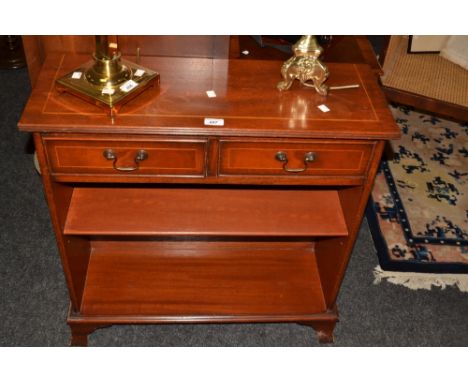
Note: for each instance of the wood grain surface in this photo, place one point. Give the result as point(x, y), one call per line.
point(247, 100)
point(202, 279)
point(203, 211)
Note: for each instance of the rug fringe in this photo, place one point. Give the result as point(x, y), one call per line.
point(426, 281)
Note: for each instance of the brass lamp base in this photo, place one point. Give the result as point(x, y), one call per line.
point(109, 95)
point(305, 66)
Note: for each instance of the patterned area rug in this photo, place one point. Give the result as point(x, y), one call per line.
point(418, 212)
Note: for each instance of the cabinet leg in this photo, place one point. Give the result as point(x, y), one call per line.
point(80, 332)
point(324, 330)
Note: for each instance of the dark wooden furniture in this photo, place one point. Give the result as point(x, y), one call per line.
point(11, 52)
point(342, 49)
point(252, 221)
point(426, 104)
point(352, 49)
point(37, 48)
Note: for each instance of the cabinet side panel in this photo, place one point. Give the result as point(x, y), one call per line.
point(74, 251)
point(333, 254)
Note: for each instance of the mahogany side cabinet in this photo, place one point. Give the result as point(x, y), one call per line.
point(184, 208)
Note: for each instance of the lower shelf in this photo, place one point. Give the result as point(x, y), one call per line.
point(202, 281)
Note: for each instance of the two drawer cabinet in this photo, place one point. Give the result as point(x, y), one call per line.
point(157, 159)
point(161, 219)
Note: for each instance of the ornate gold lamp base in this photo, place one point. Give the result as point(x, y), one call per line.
point(305, 66)
point(132, 80)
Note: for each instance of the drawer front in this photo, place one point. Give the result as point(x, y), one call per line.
point(311, 158)
point(124, 157)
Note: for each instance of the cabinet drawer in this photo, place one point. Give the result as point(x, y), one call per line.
point(123, 157)
point(311, 158)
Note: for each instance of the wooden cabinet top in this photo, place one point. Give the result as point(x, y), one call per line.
point(246, 99)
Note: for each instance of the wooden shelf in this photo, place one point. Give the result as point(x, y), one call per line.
point(202, 280)
point(204, 212)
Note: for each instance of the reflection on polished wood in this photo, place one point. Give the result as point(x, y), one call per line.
point(181, 101)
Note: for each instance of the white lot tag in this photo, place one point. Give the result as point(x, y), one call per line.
point(109, 91)
point(77, 75)
point(211, 93)
point(129, 85)
point(323, 108)
point(214, 122)
point(139, 73)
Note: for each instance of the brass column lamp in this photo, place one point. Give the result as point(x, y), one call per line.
point(108, 80)
point(107, 70)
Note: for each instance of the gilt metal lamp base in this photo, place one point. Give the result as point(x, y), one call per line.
point(305, 66)
point(110, 98)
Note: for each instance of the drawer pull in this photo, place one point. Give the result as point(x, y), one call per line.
point(281, 156)
point(140, 156)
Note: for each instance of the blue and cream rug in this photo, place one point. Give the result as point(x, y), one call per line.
point(418, 212)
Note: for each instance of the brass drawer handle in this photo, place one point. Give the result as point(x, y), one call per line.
point(140, 156)
point(281, 156)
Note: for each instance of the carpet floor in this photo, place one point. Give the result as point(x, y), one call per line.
point(34, 301)
point(419, 213)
